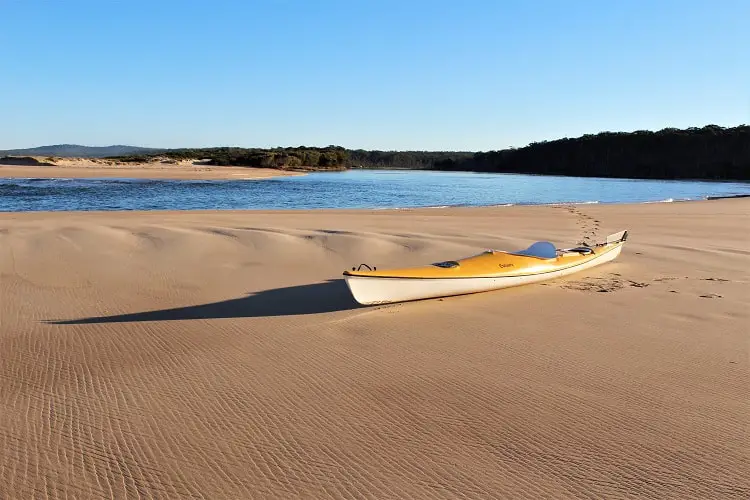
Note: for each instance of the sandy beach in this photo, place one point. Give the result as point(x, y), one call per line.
point(219, 355)
point(80, 168)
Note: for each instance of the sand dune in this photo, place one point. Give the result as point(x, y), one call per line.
point(77, 168)
point(25, 161)
point(219, 355)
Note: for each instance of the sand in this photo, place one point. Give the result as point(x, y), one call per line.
point(80, 168)
point(219, 355)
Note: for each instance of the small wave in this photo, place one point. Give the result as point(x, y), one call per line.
point(45, 179)
point(670, 200)
point(457, 205)
point(26, 179)
point(558, 203)
point(417, 207)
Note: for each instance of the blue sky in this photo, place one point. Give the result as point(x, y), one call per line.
point(378, 74)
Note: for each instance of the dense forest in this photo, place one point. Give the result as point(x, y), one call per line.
point(416, 160)
point(710, 152)
point(330, 158)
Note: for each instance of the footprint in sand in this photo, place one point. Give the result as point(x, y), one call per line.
point(614, 281)
point(705, 296)
point(587, 224)
point(637, 284)
point(603, 284)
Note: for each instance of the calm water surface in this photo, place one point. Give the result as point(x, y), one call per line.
point(351, 189)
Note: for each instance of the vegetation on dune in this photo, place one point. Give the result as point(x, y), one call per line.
point(26, 161)
point(330, 158)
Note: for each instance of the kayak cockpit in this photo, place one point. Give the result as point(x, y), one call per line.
point(540, 249)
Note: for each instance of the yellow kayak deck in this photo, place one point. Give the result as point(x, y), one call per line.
point(492, 263)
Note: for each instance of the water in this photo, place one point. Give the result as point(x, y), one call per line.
point(351, 189)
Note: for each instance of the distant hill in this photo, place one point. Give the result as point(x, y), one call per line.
point(78, 151)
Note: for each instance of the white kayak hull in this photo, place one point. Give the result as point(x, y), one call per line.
point(368, 290)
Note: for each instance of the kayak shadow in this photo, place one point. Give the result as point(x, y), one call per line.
point(328, 296)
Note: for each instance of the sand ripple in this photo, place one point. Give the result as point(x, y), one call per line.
point(200, 355)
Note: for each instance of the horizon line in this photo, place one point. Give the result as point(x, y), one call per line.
point(740, 125)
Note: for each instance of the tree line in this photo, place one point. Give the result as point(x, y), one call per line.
point(710, 152)
point(329, 158)
point(416, 160)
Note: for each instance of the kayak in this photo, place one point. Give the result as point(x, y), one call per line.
point(489, 270)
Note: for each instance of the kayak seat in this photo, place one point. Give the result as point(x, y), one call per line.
point(541, 249)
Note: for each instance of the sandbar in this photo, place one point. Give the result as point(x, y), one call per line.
point(214, 354)
point(83, 168)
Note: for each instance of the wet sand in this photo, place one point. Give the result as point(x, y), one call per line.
point(219, 355)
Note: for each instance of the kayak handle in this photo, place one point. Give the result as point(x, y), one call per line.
point(368, 268)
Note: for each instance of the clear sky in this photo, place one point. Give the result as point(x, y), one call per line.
point(374, 74)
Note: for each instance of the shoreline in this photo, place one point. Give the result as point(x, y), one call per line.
point(144, 173)
point(447, 211)
point(96, 168)
point(386, 209)
point(169, 169)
